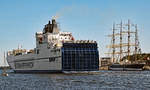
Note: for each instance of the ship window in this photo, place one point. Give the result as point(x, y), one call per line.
point(51, 59)
point(38, 51)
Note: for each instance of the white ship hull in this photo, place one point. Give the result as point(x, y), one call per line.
point(45, 62)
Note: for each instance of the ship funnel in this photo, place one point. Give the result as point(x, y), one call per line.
point(53, 21)
point(49, 22)
point(51, 27)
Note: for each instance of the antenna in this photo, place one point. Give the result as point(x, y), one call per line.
point(18, 47)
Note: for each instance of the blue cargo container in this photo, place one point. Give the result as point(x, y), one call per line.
point(80, 57)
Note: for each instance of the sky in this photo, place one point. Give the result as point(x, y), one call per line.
point(86, 19)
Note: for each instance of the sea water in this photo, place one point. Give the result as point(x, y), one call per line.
point(101, 80)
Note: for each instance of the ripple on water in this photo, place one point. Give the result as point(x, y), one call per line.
point(131, 80)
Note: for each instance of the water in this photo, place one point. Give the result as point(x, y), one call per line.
point(102, 80)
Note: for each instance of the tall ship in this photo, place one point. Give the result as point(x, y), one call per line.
point(124, 48)
point(55, 51)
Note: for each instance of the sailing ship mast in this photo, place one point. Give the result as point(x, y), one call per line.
point(4, 73)
point(136, 41)
point(121, 51)
point(123, 42)
point(129, 35)
point(113, 38)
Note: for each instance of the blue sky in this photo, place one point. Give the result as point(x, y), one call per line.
point(86, 19)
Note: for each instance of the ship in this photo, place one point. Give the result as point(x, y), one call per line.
point(125, 48)
point(126, 67)
point(55, 51)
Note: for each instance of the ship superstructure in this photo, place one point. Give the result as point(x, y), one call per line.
point(55, 51)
